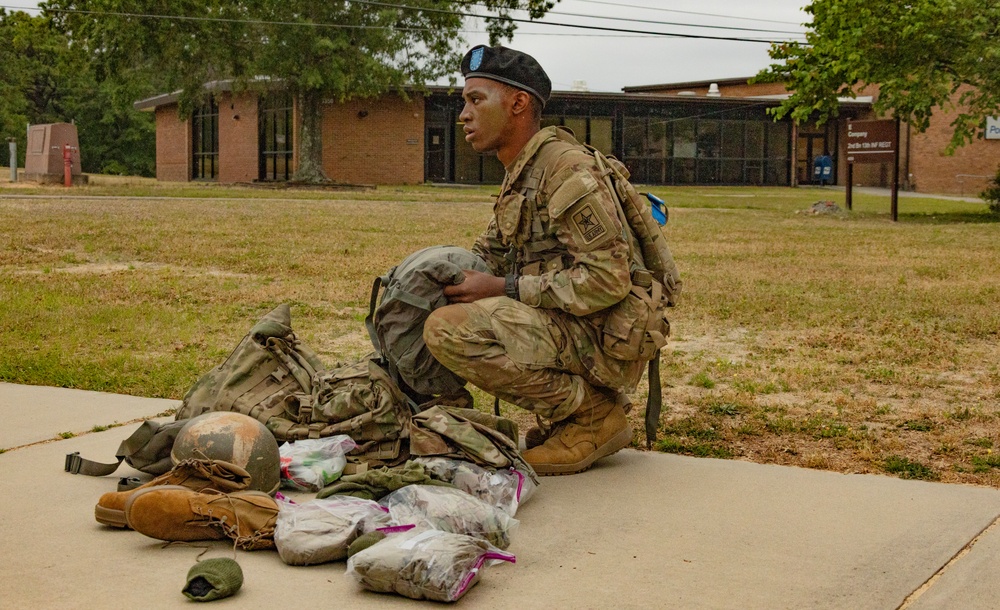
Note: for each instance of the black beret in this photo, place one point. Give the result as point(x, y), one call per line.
point(508, 66)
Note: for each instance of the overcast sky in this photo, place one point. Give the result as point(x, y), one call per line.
point(608, 61)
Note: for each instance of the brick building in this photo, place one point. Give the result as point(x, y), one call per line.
point(697, 133)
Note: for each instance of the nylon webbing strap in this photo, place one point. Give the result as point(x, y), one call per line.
point(370, 318)
point(654, 402)
point(78, 465)
point(411, 299)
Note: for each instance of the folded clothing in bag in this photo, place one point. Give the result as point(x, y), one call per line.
point(450, 510)
point(319, 531)
point(312, 464)
point(504, 488)
point(424, 564)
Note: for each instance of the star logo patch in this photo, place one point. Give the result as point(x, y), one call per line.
point(589, 224)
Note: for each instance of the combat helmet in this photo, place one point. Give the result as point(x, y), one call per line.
point(235, 438)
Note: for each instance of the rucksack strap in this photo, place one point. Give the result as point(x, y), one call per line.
point(139, 439)
point(654, 402)
point(370, 318)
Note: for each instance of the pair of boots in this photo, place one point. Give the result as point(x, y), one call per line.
point(196, 500)
point(597, 429)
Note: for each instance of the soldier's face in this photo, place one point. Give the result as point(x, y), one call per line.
point(486, 114)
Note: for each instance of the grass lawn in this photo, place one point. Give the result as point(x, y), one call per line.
point(843, 342)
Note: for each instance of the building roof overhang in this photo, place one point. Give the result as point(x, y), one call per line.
point(628, 94)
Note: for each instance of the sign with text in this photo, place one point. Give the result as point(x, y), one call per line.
point(871, 141)
point(993, 128)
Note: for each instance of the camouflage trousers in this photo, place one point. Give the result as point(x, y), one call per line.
point(546, 361)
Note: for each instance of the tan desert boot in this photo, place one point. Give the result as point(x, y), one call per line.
point(193, 474)
point(175, 513)
point(593, 432)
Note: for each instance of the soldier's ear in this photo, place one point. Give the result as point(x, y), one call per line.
point(521, 102)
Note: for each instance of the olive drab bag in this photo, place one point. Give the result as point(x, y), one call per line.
point(147, 450)
point(410, 291)
point(272, 377)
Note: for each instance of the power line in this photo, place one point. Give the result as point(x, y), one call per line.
point(566, 25)
point(687, 25)
point(670, 10)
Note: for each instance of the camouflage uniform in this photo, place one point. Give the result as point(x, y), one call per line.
point(557, 225)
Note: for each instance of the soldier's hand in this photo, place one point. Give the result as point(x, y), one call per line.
point(477, 285)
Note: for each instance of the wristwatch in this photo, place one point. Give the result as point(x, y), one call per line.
point(510, 286)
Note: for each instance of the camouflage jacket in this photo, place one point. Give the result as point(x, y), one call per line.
point(557, 225)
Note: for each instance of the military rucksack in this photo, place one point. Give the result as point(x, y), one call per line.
point(409, 292)
point(274, 378)
point(269, 364)
point(659, 263)
point(637, 328)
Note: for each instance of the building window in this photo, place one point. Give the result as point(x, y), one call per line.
point(205, 137)
point(275, 120)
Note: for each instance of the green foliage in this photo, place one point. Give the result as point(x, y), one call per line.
point(702, 380)
point(992, 193)
point(45, 79)
point(983, 463)
point(923, 55)
point(315, 50)
point(908, 469)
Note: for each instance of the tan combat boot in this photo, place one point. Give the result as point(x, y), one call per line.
point(172, 513)
point(596, 430)
point(193, 474)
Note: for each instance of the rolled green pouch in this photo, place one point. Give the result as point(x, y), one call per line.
point(213, 579)
point(364, 541)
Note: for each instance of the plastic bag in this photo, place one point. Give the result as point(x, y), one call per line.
point(312, 464)
point(505, 488)
point(450, 510)
point(424, 564)
point(319, 531)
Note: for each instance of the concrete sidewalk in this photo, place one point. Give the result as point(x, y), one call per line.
point(639, 530)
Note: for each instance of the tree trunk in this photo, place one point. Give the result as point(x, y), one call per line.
point(310, 138)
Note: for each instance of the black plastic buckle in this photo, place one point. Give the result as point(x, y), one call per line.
point(73, 462)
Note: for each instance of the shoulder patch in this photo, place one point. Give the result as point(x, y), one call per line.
point(589, 224)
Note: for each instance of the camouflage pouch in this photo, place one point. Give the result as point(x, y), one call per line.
point(637, 327)
point(359, 400)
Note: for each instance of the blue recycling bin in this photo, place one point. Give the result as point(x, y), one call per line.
point(823, 169)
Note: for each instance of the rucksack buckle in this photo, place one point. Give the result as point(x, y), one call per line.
point(73, 462)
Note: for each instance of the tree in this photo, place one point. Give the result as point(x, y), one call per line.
point(922, 54)
point(42, 80)
point(315, 50)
